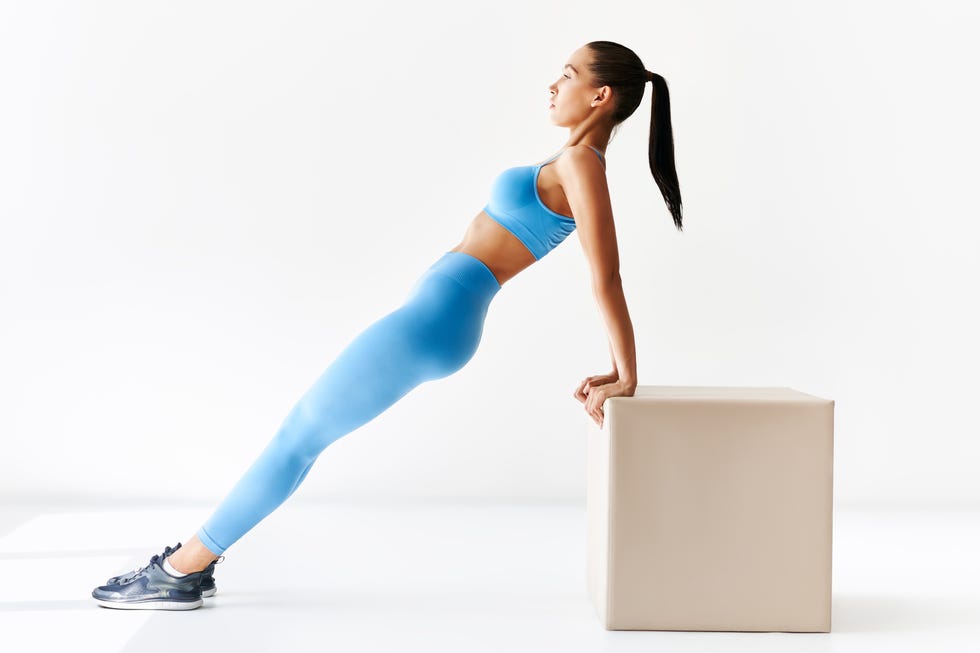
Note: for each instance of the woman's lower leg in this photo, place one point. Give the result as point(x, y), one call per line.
point(374, 371)
point(191, 556)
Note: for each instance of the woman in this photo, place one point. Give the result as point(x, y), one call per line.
point(438, 328)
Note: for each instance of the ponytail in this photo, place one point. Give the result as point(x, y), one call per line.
point(661, 154)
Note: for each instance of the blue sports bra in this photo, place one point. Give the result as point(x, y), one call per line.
point(516, 205)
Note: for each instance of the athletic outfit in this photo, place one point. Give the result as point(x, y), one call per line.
point(434, 333)
point(517, 206)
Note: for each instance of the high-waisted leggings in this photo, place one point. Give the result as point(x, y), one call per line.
point(431, 335)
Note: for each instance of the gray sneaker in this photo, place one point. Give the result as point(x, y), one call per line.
point(208, 587)
point(152, 588)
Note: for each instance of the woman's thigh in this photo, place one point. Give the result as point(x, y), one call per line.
point(432, 335)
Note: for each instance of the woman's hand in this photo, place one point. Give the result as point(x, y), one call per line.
point(582, 391)
point(594, 391)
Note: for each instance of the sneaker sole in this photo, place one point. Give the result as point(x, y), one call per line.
point(204, 593)
point(151, 604)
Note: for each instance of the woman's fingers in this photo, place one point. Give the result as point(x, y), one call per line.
point(582, 391)
point(593, 406)
point(592, 393)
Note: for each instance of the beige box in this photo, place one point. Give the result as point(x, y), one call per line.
point(711, 508)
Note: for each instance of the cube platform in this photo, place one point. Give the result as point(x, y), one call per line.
point(711, 509)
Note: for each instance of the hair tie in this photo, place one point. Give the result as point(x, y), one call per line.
point(649, 76)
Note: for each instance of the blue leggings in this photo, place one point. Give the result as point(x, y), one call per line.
point(432, 334)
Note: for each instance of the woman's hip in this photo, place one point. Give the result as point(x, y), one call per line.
point(445, 311)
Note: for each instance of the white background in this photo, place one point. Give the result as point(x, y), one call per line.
point(202, 203)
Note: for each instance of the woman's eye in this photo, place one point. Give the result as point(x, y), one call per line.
point(566, 76)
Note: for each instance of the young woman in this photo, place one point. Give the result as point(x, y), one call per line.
point(439, 326)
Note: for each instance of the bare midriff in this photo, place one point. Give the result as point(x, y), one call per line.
point(499, 249)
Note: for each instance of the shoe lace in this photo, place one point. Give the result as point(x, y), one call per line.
point(156, 559)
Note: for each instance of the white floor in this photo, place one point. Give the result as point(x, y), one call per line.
point(429, 577)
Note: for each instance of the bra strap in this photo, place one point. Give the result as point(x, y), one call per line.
point(601, 158)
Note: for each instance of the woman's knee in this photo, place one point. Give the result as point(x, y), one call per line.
point(303, 434)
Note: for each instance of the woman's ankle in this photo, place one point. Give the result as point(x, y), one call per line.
point(186, 564)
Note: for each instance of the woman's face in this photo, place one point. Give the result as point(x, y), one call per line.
point(572, 94)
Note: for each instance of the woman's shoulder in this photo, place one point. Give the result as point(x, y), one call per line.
point(581, 165)
point(582, 155)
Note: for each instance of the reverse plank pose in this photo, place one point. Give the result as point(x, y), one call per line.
point(438, 328)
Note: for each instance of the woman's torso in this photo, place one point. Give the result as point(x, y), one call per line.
point(498, 248)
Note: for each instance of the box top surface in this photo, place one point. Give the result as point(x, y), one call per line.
point(720, 393)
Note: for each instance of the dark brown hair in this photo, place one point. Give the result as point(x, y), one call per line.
point(618, 67)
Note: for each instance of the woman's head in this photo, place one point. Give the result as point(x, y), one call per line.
point(601, 85)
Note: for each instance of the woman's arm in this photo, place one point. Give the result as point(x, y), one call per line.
point(612, 355)
point(584, 182)
point(612, 304)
